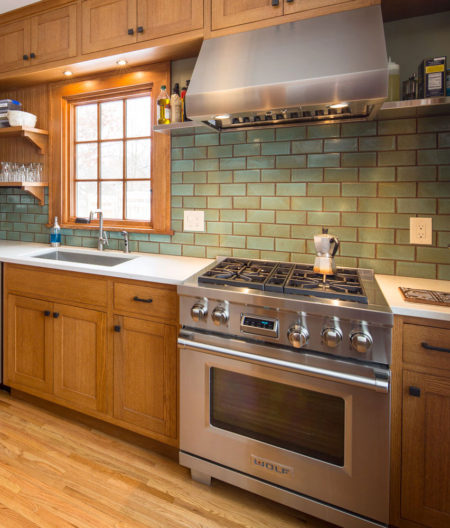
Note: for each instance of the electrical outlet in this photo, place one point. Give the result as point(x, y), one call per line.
point(420, 231)
point(194, 221)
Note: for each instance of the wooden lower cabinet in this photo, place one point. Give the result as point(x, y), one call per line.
point(420, 461)
point(28, 344)
point(79, 356)
point(95, 345)
point(145, 360)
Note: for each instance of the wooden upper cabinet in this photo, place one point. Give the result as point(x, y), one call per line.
point(425, 495)
point(296, 6)
point(14, 44)
point(160, 18)
point(80, 356)
point(226, 13)
point(107, 24)
point(28, 344)
point(54, 35)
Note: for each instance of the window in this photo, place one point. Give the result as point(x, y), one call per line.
point(109, 156)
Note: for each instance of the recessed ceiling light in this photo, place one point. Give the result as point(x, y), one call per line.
point(67, 73)
point(121, 62)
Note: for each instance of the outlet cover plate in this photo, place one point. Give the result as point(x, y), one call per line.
point(194, 221)
point(420, 231)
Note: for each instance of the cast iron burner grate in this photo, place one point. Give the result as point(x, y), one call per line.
point(287, 278)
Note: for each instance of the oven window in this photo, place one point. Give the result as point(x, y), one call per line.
point(303, 421)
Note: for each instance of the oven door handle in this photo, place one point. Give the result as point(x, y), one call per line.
point(377, 382)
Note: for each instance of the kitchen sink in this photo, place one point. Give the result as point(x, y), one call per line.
point(83, 258)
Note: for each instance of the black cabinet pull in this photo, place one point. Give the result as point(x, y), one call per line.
point(47, 313)
point(131, 31)
point(56, 315)
point(431, 347)
point(275, 2)
point(117, 328)
point(414, 391)
point(25, 57)
point(140, 29)
point(289, 1)
point(32, 55)
point(138, 299)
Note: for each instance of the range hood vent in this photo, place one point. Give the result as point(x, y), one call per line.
point(322, 69)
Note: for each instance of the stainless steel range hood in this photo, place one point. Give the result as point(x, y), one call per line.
point(295, 72)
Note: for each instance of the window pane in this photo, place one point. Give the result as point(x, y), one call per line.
point(138, 159)
point(86, 161)
point(111, 160)
point(111, 199)
point(111, 120)
point(86, 198)
point(138, 200)
point(86, 122)
point(138, 116)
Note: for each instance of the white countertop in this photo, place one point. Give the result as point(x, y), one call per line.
point(390, 284)
point(166, 269)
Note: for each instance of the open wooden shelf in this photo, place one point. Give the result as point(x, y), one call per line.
point(36, 189)
point(36, 136)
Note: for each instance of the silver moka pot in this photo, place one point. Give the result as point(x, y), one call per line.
point(326, 248)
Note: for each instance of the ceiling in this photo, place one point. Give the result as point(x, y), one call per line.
point(392, 9)
point(9, 5)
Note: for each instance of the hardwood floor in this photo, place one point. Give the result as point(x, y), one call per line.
point(57, 473)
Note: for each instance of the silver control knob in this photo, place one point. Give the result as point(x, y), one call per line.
point(220, 315)
point(298, 336)
point(361, 342)
point(199, 312)
point(331, 336)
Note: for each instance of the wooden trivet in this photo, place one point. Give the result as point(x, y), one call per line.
point(425, 296)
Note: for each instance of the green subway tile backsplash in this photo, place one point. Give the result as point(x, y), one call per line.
point(267, 192)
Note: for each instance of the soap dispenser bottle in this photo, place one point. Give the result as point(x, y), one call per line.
point(55, 234)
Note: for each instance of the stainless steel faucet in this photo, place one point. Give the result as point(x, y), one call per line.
point(126, 245)
point(102, 238)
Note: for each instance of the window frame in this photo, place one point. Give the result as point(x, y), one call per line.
point(62, 108)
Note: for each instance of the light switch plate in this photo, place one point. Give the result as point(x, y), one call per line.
point(420, 231)
point(194, 221)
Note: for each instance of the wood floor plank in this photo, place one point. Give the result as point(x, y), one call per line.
point(57, 473)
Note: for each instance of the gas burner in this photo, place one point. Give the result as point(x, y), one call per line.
point(287, 278)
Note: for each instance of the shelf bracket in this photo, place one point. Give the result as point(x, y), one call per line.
point(37, 192)
point(38, 140)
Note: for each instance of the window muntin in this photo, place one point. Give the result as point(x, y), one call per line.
point(112, 151)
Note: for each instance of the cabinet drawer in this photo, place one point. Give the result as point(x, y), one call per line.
point(148, 300)
point(56, 285)
point(416, 342)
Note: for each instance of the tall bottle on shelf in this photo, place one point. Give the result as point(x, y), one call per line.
point(163, 103)
point(183, 100)
point(176, 112)
point(55, 234)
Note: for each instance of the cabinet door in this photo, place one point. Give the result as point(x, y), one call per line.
point(425, 495)
point(226, 13)
point(28, 344)
point(54, 35)
point(106, 24)
point(295, 6)
point(80, 356)
point(159, 18)
point(14, 44)
point(145, 375)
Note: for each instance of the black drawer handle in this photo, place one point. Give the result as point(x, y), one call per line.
point(289, 1)
point(117, 328)
point(56, 315)
point(431, 347)
point(47, 313)
point(140, 29)
point(25, 57)
point(32, 55)
point(138, 299)
point(414, 391)
point(131, 31)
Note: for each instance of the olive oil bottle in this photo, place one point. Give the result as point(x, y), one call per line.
point(163, 103)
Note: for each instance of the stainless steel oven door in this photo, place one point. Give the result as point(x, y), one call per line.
point(316, 426)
